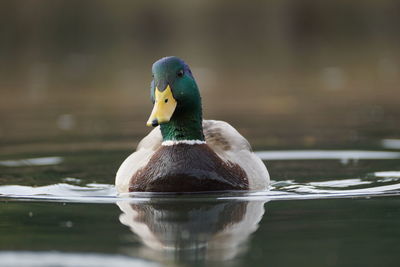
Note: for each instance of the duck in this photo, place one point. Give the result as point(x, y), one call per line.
point(184, 153)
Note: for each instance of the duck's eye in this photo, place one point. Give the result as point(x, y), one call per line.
point(152, 75)
point(180, 73)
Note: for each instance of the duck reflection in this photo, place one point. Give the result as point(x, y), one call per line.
point(192, 230)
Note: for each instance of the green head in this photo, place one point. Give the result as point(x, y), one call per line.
point(177, 102)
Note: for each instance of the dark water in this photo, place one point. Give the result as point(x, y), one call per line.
point(356, 232)
point(334, 199)
point(330, 208)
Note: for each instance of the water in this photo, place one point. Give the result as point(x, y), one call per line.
point(374, 184)
point(334, 198)
point(347, 219)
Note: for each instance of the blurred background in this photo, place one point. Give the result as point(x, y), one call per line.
point(75, 75)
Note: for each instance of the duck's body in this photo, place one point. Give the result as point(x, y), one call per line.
point(223, 162)
point(185, 153)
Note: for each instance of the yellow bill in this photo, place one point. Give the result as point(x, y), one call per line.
point(164, 107)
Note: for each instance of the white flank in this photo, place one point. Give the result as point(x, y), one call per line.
point(186, 142)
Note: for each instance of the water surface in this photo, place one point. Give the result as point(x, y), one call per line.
point(347, 217)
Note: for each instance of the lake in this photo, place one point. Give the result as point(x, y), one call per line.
point(326, 206)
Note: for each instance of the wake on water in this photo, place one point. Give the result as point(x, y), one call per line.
point(385, 183)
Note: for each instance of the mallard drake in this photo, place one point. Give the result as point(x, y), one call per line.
point(185, 153)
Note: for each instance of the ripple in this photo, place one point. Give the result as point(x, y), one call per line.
point(391, 143)
point(326, 154)
point(380, 183)
point(389, 174)
point(62, 259)
point(341, 183)
point(280, 190)
point(91, 193)
point(32, 162)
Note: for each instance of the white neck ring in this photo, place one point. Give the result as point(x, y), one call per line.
point(186, 142)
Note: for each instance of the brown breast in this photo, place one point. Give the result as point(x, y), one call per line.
point(188, 168)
